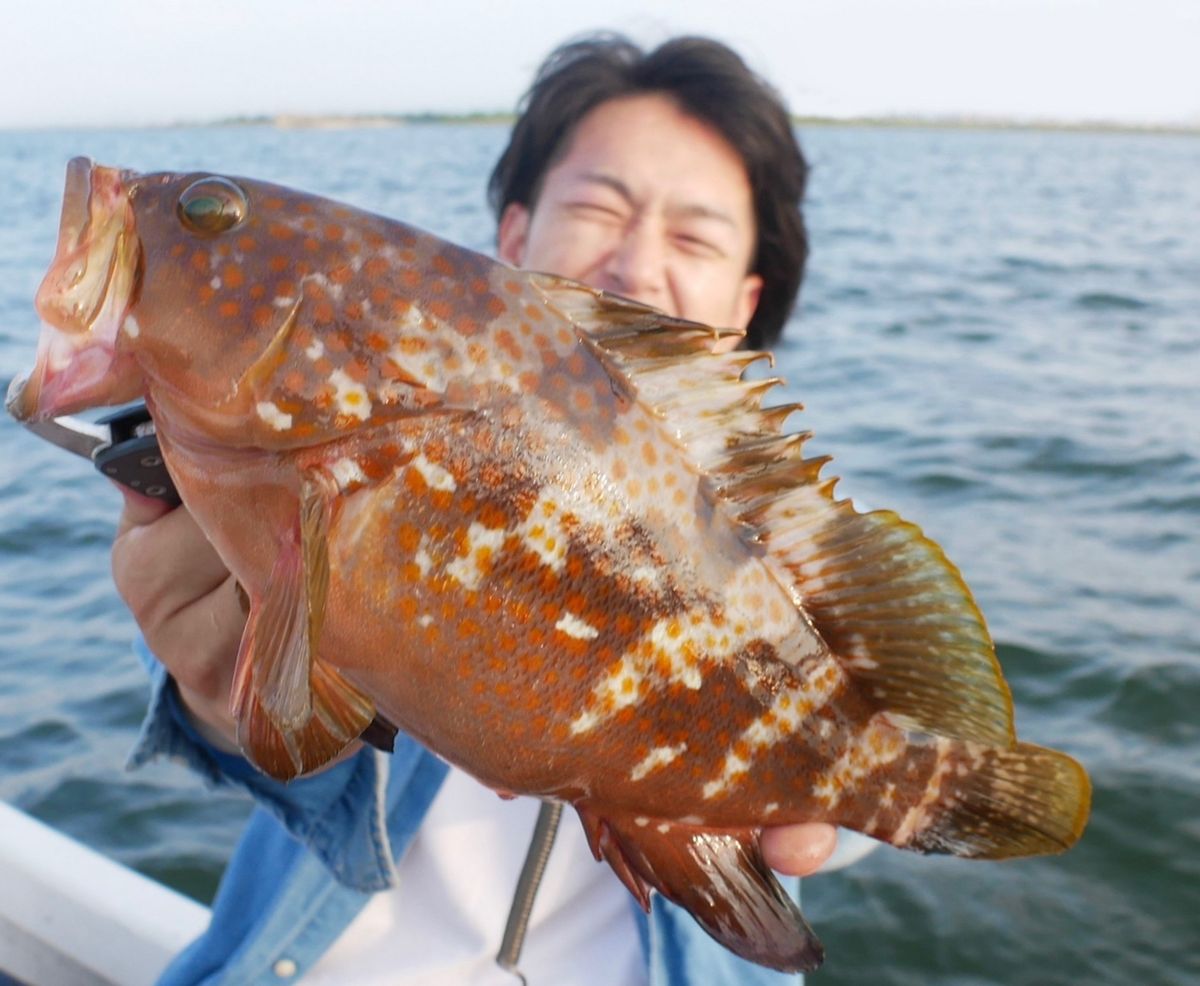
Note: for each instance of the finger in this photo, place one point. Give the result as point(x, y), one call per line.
point(200, 643)
point(139, 510)
point(170, 553)
point(798, 850)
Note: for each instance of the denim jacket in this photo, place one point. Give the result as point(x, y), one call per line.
point(316, 849)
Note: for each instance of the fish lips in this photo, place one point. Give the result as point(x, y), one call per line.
point(84, 301)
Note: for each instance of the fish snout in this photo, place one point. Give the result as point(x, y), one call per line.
point(84, 299)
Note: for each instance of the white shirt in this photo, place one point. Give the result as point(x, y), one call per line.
point(443, 922)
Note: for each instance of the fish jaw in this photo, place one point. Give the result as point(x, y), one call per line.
point(84, 302)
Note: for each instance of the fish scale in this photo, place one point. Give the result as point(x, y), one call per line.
point(553, 534)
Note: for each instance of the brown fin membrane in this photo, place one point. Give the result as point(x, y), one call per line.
point(294, 713)
point(887, 601)
point(1027, 801)
point(717, 876)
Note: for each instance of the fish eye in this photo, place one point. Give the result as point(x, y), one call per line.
point(212, 205)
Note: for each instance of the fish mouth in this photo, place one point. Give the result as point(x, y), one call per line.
point(84, 300)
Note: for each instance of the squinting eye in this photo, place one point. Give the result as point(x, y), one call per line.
point(212, 205)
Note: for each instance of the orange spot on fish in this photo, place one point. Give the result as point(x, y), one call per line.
point(228, 309)
point(277, 264)
point(231, 276)
point(411, 345)
point(334, 232)
point(649, 454)
point(375, 267)
point(206, 293)
point(247, 244)
point(491, 515)
point(467, 326)
point(278, 231)
point(576, 364)
point(262, 316)
point(199, 260)
point(507, 343)
point(311, 243)
point(443, 265)
point(534, 313)
point(440, 309)
point(341, 274)
point(354, 311)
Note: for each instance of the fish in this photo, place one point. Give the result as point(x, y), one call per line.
point(557, 536)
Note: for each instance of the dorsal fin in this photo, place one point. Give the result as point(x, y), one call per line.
point(884, 597)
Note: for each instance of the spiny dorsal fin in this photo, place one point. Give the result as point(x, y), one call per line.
point(884, 597)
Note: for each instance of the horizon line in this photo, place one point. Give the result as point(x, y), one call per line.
point(334, 121)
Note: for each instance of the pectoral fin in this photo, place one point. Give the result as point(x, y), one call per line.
point(717, 875)
point(294, 712)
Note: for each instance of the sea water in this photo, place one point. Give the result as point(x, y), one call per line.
point(998, 337)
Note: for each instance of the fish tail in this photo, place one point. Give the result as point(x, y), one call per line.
point(993, 803)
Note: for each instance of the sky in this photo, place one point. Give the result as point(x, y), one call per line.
point(117, 62)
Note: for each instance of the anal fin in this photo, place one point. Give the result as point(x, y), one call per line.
point(717, 875)
point(295, 713)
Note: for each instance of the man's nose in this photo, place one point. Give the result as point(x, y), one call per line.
point(636, 266)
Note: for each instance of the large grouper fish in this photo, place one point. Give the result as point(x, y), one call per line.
point(552, 534)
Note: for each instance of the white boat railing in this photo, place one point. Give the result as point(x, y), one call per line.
point(73, 917)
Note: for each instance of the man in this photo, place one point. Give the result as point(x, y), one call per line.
point(672, 178)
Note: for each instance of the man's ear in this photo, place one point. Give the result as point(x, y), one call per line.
point(512, 233)
point(750, 292)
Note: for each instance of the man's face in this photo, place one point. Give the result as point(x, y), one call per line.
point(648, 203)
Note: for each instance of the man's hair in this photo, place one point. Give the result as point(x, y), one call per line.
point(709, 82)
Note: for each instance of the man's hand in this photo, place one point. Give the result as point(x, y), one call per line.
point(187, 604)
point(798, 850)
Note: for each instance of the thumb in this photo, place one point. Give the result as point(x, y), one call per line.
point(139, 510)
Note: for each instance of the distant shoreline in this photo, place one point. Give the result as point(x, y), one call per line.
point(353, 121)
point(358, 121)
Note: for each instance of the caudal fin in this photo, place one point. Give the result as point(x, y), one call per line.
point(1024, 801)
